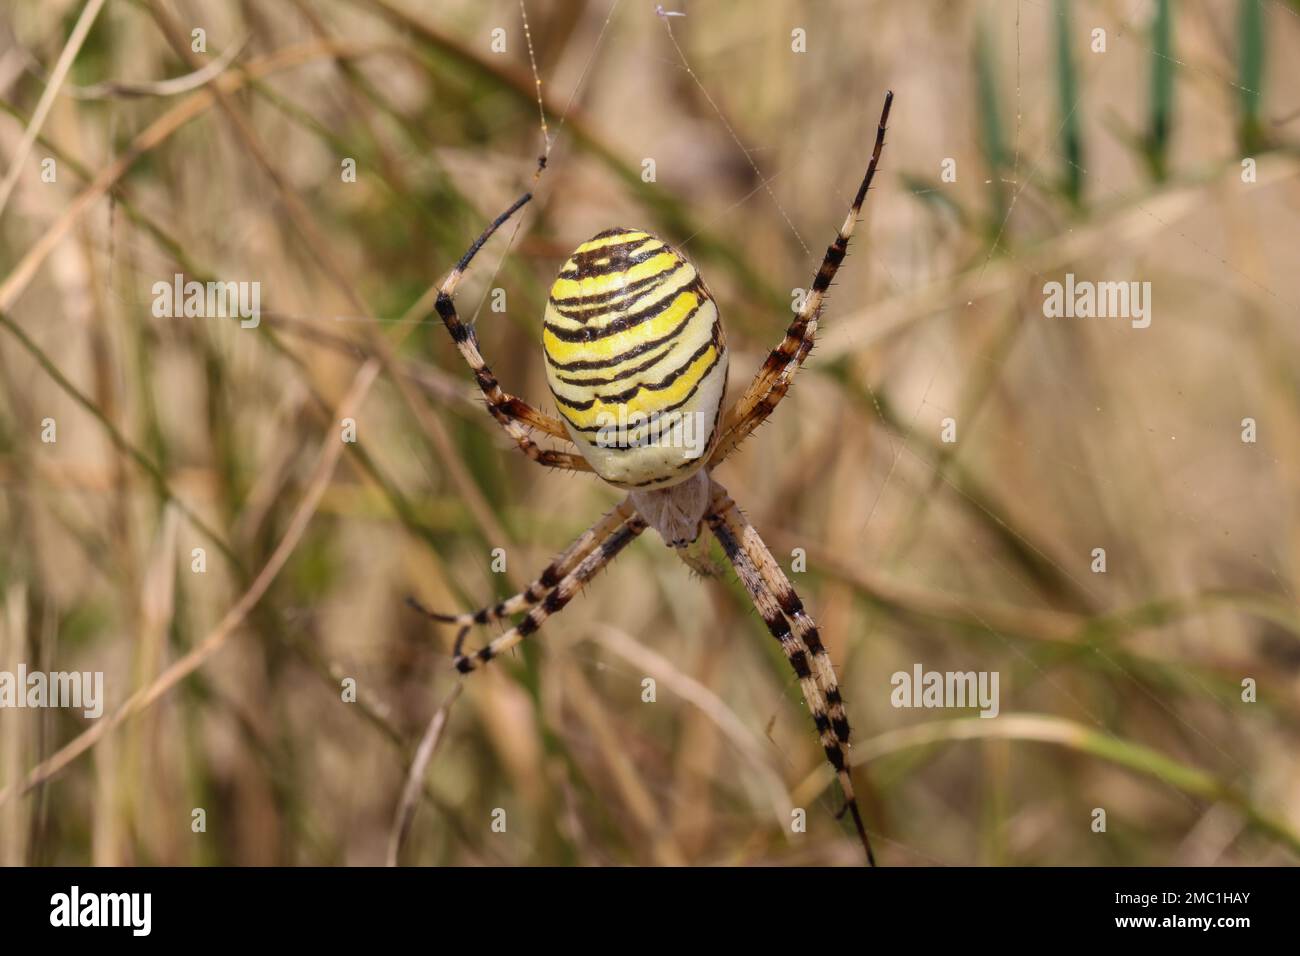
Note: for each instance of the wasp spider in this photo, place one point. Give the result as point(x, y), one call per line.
point(637, 363)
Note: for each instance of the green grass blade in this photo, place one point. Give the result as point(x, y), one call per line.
point(1250, 73)
point(1161, 106)
point(1067, 86)
point(992, 145)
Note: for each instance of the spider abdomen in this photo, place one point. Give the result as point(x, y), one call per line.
point(636, 358)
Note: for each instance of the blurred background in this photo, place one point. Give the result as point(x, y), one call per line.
point(276, 681)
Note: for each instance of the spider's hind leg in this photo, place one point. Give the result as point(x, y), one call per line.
point(514, 415)
point(772, 382)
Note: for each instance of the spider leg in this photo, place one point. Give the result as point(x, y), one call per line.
point(513, 414)
point(554, 572)
point(810, 663)
point(762, 395)
point(556, 598)
point(526, 414)
point(788, 600)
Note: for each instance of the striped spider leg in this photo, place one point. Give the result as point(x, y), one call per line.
point(783, 612)
point(551, 576)
point(513, 414)
point(599, 554)
point(773, 379)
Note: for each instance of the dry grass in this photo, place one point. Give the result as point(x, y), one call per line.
point(1119, 690)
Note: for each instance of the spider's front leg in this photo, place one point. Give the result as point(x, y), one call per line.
point(556, 599)
point(545, 582)
point(551, 591)
point(513, 414)
point(778, 605)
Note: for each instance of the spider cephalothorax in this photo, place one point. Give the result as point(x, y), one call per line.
point(637, 363)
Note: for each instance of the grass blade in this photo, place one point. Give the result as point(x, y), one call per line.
point(1067, 88)
point(1250, 73)
point(991, 142)
point(1161, 106)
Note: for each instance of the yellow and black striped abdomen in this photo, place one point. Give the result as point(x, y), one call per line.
point(635, 358)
